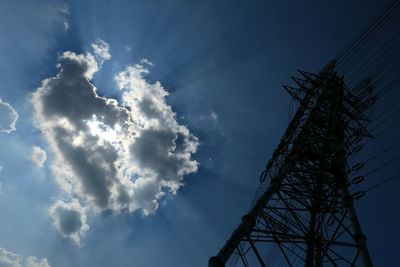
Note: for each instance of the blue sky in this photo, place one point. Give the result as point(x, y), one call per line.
point(223, 64)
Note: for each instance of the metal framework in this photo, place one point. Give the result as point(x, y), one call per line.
point(304, 214)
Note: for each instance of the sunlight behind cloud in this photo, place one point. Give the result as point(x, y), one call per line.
point(110, 156)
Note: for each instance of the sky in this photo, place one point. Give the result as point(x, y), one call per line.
point(133, 133)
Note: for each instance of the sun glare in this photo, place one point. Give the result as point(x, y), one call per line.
point(102, 131)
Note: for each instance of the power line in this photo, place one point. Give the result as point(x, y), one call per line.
point(387, 163)
point(387, 180)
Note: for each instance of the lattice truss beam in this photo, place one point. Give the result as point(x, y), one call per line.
point(304, 207)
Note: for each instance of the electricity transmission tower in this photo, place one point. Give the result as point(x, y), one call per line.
point(304, 209)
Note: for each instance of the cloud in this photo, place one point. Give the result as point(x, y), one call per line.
point(112, 156)
point(8, 117)
point(211, 117)
point(32, 261)
point(57, 12)
point(145, 61)
point(64, 10)
point(214, 116)
point(10, 259)
point(66, 25)
point(101, 50)
point(69, 219)
point(128, 48)
point(38, 156)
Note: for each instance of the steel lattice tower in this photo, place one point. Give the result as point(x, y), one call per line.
point(304, 207)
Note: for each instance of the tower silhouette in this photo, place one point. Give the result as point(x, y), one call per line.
point(304, 208)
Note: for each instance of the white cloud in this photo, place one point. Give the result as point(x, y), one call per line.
point(128, 48)
point(101, 50)
point(57, 12)
point(8, 117)
point(64, 8)
point(87, 65)
point(110, 155)
point(69, 219)
point(210, 117)
point(10, 259)
point(32, 261)
point(66, 25)
point(38, 156)
point(145, 61)
point(214, 116)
